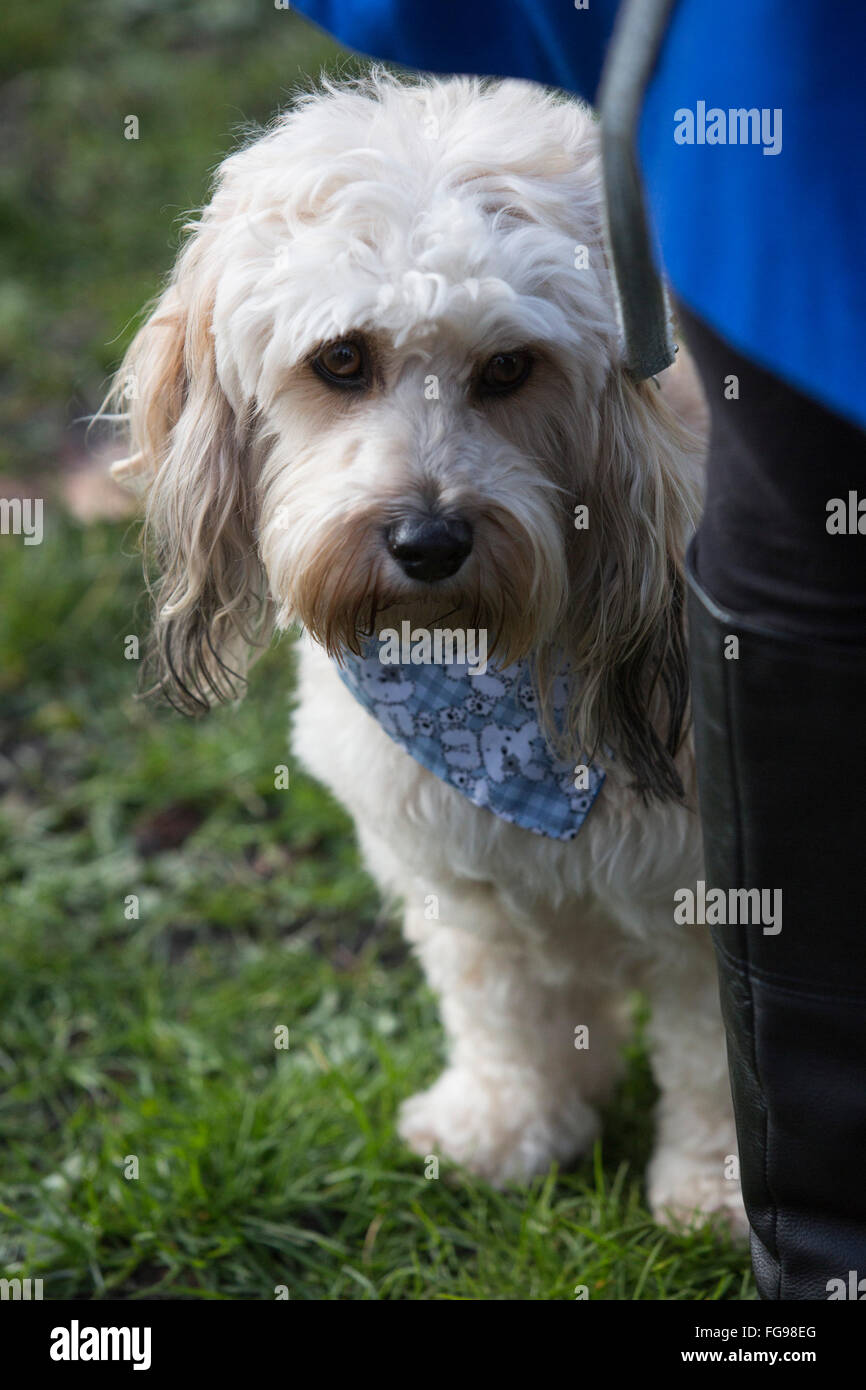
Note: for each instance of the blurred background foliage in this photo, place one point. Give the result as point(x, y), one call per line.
point(91, 220)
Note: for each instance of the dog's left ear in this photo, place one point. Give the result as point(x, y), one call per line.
point(631, 648)
point(189, 457)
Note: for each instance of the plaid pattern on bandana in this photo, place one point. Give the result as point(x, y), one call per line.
point(478, 733)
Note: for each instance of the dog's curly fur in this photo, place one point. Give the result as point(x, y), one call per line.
point(441, 223)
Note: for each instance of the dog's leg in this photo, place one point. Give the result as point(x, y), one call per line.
point(694, 1171)
point(526, 1054)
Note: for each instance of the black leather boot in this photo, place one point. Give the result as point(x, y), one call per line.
point(780, 729)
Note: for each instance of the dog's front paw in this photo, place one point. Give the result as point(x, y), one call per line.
point(686, 1193)
point(499, 1124)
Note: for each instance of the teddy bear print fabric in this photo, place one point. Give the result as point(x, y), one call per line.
point(480, 734)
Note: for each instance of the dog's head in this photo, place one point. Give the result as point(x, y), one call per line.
point(385, 372)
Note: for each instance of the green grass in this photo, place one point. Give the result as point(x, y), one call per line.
point(153, 1037)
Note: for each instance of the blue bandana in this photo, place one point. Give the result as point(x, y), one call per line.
point(478, 733)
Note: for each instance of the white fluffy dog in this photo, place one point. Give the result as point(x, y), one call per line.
point(386, 371)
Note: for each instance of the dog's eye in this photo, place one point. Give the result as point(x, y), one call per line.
point(343, 363)
point(505, 372)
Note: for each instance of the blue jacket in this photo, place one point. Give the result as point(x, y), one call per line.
point(768, 248)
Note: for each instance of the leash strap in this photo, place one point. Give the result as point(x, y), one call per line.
point(646, 321)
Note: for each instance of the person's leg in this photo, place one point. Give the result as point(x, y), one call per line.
point(780, 728)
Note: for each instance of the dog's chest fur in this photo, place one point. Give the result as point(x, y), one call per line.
point(623, 867)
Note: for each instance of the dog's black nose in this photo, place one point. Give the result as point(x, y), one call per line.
point(430, 547)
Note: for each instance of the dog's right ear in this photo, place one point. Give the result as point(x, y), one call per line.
point(188, 458)
point(631, 649)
